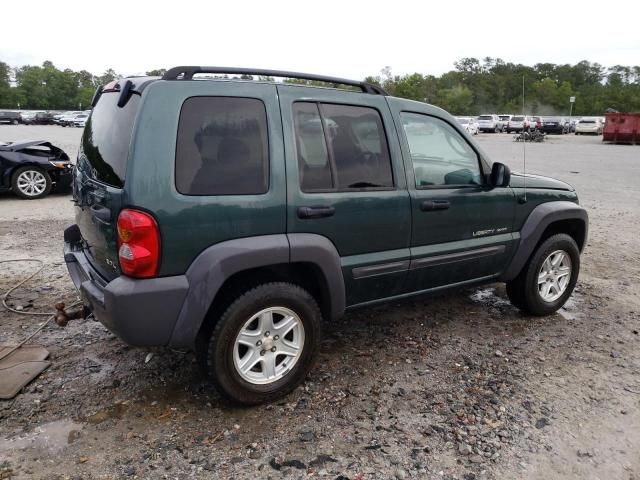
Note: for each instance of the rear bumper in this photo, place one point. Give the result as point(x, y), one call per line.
point(140, 312)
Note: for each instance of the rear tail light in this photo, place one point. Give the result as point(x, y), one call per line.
point(138, 244)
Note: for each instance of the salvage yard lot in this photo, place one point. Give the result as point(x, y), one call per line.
point(460, 385)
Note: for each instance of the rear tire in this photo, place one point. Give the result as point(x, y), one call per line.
point(258, 315)
point(527, 290)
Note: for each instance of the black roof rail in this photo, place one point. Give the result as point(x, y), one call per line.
point(188, 72)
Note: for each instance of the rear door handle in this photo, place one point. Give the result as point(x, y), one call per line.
point(316, 212)
point(432, 205)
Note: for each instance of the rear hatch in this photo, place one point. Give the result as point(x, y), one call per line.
point(100, 177)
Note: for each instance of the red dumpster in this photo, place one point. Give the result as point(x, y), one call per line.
point(622, 128)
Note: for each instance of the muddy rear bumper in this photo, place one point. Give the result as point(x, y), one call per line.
point(140, 312)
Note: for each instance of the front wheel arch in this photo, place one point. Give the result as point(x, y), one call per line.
point(544, 221)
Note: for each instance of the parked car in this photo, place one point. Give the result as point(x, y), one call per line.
point(589, 125)
point(80, 120)
point(68, 120)
point(489, 123)
point(504, 119)
point(469, 124)
point(31, 169)
point(38, 118)
point(234, 217)
point(527, 123)
point(26, 117)
point(517, 123)
point(535, 123)
point(572, 124)
point(58, 117)
point(13, 118)
point(555, 125)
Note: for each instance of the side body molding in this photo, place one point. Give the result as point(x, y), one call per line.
point(538, 220)
point(216, 264)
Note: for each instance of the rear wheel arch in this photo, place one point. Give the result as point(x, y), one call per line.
point(227, 270)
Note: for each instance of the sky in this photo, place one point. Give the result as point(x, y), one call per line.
point(348, 39)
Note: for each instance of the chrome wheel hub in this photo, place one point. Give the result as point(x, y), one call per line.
point(32, 183)
point(268, 345)
point(554, 276)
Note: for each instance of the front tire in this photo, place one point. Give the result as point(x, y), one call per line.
point(549, 277)
point(264, 344)
point(31, 183)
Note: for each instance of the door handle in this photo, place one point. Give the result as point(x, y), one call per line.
point(432, 205)
point(316, 212)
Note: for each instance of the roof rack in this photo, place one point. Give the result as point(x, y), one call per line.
point(187, 73)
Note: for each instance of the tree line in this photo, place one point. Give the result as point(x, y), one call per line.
point(474, 86)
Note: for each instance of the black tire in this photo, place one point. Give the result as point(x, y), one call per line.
point(523, 290)
point(216, 349)
point(14, 122)
point(21, 194)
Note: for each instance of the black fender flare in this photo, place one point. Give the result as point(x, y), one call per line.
point(213, 266)
point(534, 226)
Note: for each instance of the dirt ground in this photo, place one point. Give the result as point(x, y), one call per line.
point(458, 386)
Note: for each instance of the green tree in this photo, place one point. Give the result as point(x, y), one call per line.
point(6, 95)
point(158, 72)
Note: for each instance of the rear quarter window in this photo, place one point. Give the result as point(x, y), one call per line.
point(222, 147)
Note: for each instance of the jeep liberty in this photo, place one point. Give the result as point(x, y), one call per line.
point(233, 216)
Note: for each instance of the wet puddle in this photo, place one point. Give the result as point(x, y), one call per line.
point(46, 439)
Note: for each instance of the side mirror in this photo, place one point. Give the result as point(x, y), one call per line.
point(500, 175)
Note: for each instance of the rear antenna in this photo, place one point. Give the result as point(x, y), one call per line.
point(524, 152)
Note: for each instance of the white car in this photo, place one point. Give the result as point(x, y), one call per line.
point(591, 125)
point(80, 120)
point(518, 123)
point(489, 123)
point(469, 124)
point(505, 118)
point(67, 119)
point(58, 117)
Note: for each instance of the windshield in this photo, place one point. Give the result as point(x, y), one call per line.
point(587, 121)
point(517, 119)
point(485, 117)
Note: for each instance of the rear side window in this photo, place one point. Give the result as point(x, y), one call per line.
point(341, 147)
point(222, 147)
point(106, 138)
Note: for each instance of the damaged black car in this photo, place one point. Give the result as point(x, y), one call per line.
point(33, 169)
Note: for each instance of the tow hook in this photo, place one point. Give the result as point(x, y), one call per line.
point(63, 317)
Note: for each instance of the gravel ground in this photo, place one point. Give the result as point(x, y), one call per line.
point(458, 386)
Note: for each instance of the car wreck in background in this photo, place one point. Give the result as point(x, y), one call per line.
point(32, 169)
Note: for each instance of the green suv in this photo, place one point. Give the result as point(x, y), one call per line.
point(234, 216)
